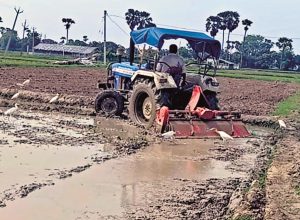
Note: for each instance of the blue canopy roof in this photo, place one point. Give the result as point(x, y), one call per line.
point(155, 37)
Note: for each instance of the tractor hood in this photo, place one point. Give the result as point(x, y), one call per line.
point(154, 36)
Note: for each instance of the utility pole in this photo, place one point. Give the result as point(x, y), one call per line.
point(33, 39)
point(25, 27)
point(13, 28)
point(104, 44)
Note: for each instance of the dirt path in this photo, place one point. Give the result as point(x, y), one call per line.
point(283, 180)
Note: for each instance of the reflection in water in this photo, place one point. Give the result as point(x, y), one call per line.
point(128, 195)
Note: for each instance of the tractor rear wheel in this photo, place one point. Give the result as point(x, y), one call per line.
point(109, 103)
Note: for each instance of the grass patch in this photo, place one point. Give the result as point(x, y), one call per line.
point(243, 217)
point(265, 75)
point(288, 106)
point(297, 190)
point(262, 178)
point(15, 59)
point(291, 77)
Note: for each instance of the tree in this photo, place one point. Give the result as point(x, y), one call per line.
point(62, 40)
point(68, 22)
point(14, 44)
point(48, 41)
point(185, 52)
point(85, 38)
point(76, 43)
point(1, 19)
point(247, 23)
point(213, 25)
point(284, 43)
point(138, 19)
point(257, 52)
point(230, 20)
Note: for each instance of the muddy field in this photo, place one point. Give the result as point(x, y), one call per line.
point(248, 96)
point(55, 165)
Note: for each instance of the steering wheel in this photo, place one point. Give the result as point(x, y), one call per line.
point(164, 64)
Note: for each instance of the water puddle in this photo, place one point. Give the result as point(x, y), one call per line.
point(110, 188)
point(114, 127)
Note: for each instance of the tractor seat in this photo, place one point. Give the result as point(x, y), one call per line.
point(176, 73)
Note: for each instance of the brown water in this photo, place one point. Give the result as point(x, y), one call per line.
point(110, 188)
point(113, 127)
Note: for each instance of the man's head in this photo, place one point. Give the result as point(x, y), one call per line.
point(173, 48)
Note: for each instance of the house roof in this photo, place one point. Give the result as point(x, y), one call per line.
point(65, 48)
point(226, 61)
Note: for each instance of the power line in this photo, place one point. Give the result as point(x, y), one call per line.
point(126, 33)
point(192, 29)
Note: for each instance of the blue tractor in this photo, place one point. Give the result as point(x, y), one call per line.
point(142, 92)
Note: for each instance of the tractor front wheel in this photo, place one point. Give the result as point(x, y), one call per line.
point(109, 103)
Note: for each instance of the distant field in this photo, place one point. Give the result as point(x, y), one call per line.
point(15, 59)
point(268, 75)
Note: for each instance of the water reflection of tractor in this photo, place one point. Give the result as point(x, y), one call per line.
point(166, 100)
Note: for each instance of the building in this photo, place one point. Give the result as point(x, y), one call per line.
point(65, 50)
point(225, 64)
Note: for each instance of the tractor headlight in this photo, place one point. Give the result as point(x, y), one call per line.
point(215, 83)
point(163, 80)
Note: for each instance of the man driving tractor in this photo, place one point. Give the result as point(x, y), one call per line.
point(174, 65)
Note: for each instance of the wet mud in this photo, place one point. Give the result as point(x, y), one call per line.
point(60, 161)
point(114, 170)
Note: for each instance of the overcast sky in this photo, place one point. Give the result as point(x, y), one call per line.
point(272, 18)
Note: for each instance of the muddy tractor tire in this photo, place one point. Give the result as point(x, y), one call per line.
point(213, 101)
point(143, 103)
point(109, 103)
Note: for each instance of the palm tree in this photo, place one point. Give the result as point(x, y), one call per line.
point(68, 22)
point(229, 20)
point(62, 40)
point(283, 43)
point(213, 25)
point(139, 19)
point(222, 26)
point(85, 38)
point(247, 23)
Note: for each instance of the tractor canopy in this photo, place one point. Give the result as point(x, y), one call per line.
point(154, 36)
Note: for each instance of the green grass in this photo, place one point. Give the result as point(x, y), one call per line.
point(266, 75)
point(297, 190)
point(243, 217)
point(288, 106)
point(261, 75)
point(15, 59)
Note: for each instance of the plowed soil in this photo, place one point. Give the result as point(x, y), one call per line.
point(248, 96)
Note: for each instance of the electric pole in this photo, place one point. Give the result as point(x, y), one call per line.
point(13, 28)
point(33, 39)
point(25, 28)
point(104, 44)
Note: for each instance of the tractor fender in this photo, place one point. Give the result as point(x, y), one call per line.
point(161, 80)
point(209, 83)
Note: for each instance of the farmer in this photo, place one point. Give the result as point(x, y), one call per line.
point(173, 64)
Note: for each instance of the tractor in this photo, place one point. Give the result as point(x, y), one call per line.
point(167, 100)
